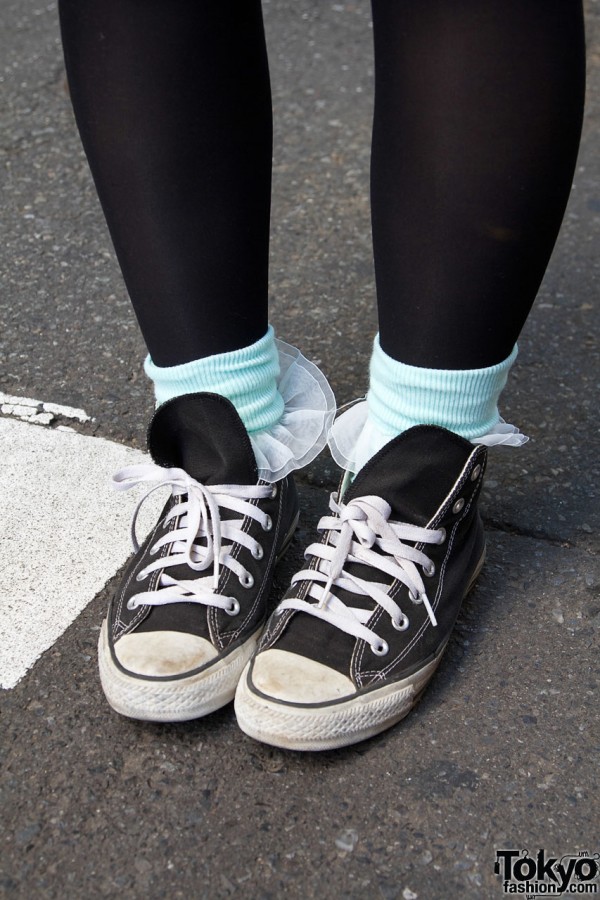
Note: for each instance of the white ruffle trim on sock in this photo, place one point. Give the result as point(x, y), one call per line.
point(302, 431)
point(355, 438)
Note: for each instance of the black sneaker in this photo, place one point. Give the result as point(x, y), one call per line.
point(192, 604)
point(363, 627)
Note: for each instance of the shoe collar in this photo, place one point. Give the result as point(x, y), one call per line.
point(415, 472)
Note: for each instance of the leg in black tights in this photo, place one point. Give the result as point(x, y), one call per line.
point(478, 108)
point(477, 120)
point(172, 100)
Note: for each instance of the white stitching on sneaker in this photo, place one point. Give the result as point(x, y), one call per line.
point(358, 528)
point(196, 516)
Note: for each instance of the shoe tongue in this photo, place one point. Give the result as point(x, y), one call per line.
point(204, 435)
point(414, 472)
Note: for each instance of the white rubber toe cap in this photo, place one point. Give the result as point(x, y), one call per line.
point(163, 653)
point(296, 679)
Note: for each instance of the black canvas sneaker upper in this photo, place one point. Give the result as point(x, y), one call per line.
point(429, 478)
point(200, 437)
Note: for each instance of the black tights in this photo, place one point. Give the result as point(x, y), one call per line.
point(478, 107)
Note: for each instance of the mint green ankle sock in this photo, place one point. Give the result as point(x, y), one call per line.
point(247, 377)
point(463, 400)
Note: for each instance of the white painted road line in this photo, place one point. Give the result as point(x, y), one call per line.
point(63, 533)
point(37, 411)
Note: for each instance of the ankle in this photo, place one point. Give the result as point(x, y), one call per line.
point(246, 377)
point(464, 401)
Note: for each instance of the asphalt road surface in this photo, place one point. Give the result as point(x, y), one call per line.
point(502, 751)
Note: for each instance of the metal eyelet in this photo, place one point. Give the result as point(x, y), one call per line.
point(246, 581)
point(475, 473)
point(380, 649)
point(442, 539)
point(458, 505)
point(153, 550)
point(429, 571)
point(402, 625)
point(141, 575)
point(258, 552)
point(268, 524)
point(415, 598)
point(233, 608)
point(274, 492)
point(131, 604)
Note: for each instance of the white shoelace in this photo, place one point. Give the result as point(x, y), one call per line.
point(198, 513)
point(359, 527)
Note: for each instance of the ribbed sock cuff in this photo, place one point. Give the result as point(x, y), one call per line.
point(247, 377)
point(464, 401)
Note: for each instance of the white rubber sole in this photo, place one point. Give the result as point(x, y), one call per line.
point(328, 727)
point(178, 699)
